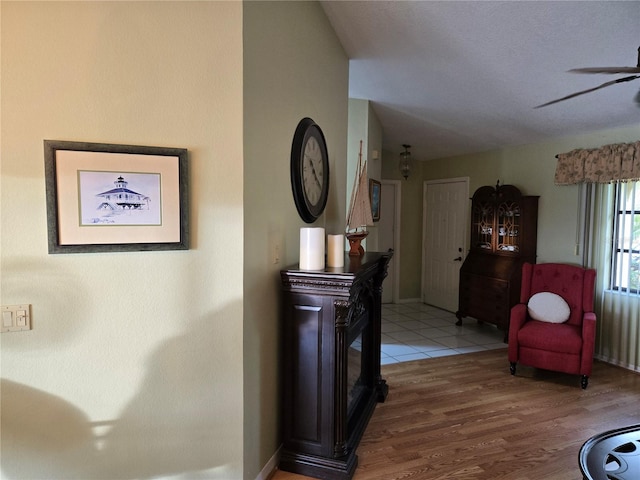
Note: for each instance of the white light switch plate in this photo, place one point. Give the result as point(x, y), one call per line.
point(15, 318)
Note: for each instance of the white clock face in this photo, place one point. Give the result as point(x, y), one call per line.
point(312, 171)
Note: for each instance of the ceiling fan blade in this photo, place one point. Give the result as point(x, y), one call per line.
point(606, 70)
point(606, 84)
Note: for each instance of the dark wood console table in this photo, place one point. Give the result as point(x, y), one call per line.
point(331, 364)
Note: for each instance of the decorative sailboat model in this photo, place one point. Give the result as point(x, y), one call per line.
point(359, 216)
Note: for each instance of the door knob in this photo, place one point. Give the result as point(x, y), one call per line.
point(459, 259)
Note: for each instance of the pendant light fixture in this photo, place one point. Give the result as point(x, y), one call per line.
point(405, 162)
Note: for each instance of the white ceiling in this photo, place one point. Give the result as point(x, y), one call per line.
point(454, 77)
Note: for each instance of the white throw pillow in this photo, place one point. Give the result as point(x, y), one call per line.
point(548, 307)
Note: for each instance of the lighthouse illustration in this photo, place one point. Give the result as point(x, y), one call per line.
point(119, 198)
point(122, 198)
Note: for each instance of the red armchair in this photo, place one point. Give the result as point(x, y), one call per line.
point(564, 347)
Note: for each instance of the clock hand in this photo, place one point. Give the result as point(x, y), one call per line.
point(313, 170)
point(316, 178)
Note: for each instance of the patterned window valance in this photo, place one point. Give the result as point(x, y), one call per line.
point(610, 163)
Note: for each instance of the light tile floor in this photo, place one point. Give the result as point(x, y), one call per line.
point(415, 331)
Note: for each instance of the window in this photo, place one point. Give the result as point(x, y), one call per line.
point(625, 271)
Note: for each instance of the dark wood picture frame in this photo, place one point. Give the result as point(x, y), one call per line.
point(375, 191)
point(86, 213)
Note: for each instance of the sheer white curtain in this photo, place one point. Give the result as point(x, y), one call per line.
point(617, 309)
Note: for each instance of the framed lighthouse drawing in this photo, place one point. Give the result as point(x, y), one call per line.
point(115, 198)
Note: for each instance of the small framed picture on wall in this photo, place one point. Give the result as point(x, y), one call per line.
point(374, 193)
point(115, 198)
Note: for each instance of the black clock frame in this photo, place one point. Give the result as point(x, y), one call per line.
point(305, 130)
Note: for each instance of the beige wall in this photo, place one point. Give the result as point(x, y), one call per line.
point(374, 166)
point(294, 68)
point(408, 269)
point(144, 349)
point(530, 167)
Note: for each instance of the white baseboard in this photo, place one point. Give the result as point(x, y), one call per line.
point(270, 467)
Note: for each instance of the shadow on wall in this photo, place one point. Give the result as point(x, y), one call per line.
point(43, 436)
point(185, 421)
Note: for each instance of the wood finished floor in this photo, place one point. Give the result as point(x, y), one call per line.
point(465, 417)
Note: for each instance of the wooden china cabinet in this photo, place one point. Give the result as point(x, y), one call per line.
point(331, 379)
point(504, 226)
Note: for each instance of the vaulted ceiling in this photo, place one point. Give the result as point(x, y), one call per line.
point(456, 77)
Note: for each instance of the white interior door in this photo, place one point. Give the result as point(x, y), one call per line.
point(388, 232)
point(445, 205)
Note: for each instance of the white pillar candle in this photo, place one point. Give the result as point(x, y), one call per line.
point(311, 248)
point(335, 251)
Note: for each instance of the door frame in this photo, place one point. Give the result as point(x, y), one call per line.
point(465, 234)
point(395, 287)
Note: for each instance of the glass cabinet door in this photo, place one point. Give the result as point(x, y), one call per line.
point(508, 225)
point(482, 224)
point(496, 220)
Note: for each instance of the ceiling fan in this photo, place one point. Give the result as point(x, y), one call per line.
point(613, 70)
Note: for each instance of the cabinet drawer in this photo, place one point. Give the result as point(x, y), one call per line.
point(484, 298)
point(477, 285)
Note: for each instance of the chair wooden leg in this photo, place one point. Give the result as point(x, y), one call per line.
point(584, 382)
point(512, 368)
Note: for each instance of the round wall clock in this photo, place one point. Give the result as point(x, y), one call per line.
point(309, 170)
